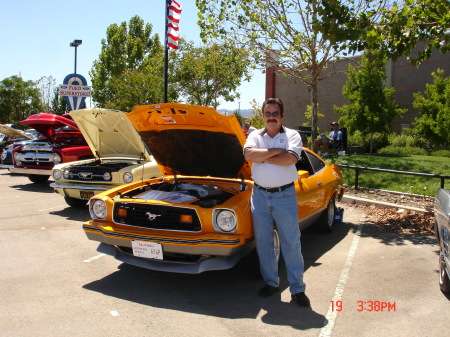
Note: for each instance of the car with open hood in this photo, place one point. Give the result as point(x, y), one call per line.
point(63, 143)
point(120, 157)
point(197, 216)
point(10, 138)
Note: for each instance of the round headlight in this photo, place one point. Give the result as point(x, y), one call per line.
point(226, 221)
point(106, 176)
point(4, 155)
point(128, 177)
point(97, 208)
point(56, 158)
point(66, 174)
point(57, 174)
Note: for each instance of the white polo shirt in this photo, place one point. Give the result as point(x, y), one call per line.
point(271, 175)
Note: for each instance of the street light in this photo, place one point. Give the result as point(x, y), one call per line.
point(75, 44)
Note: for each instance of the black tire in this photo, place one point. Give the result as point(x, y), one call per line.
point(38, 179)
point(73, 202)
point(444, 281)
point(325, 224)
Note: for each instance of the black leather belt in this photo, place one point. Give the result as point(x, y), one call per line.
point(275, 189)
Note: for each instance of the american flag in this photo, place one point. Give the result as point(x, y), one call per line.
point(173, 19)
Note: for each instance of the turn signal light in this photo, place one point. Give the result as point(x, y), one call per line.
point(186, 218)
point(122, 212)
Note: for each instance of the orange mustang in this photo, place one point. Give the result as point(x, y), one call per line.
point(197, 217)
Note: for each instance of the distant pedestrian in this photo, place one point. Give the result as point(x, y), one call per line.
point(334, 140)
point(248, 128)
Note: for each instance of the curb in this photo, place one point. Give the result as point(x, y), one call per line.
point(361, 201)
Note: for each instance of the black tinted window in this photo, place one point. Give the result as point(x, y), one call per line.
point(316, 163)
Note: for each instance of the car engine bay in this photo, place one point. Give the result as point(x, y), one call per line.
point(203, 195)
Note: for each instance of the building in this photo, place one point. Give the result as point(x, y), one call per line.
point(401, 75)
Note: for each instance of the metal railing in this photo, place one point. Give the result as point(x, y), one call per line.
point(428, 175)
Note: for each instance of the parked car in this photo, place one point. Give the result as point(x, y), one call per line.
point(9, 134)
point(442, 230)
point(120, 157)
point(197, 217)
point(63, 143)
point(12, 138)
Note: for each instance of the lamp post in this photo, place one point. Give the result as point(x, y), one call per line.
point(75, 44)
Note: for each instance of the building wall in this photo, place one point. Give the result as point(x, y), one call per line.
point(405, 78)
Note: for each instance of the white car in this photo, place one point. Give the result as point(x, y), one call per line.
point(120, 157)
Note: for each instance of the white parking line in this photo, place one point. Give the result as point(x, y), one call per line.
point(327, 330)
point(94, 258)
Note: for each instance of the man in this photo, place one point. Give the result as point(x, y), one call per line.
point(248, 128)
point(274, 151)
point(334, 140)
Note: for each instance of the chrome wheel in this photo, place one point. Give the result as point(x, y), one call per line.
point(276, 244)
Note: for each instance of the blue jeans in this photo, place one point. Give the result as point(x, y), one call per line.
point(280, 207)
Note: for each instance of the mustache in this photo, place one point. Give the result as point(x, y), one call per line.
point(271, 120)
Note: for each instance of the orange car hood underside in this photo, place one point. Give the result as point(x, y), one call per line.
point(192, 140)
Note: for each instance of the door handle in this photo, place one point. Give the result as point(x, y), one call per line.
point(319, 183)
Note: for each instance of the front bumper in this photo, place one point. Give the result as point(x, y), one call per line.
point(207, 263)
point(28, 171)
point(211, 252)
point(73, 191)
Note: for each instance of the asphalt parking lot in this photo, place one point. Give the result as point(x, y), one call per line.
point(361, 282)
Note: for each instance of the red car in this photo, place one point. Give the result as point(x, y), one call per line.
point(64, 143)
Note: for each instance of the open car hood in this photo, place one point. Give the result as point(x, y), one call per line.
point(109, 133)
point(12, 133)
point(192, 140)
point(47, 123)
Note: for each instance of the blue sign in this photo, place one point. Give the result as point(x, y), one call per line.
point(77, 90)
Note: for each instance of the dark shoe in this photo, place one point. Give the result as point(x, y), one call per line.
point(301, 299)
point(267, 291)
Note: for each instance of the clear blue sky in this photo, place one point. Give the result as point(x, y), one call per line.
point(35, 37)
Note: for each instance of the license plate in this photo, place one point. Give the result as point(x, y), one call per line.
point(151, 250)
point(86, 195)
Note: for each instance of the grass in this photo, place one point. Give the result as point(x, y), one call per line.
point(392, 181)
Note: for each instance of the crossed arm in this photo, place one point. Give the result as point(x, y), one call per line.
point(275, 156)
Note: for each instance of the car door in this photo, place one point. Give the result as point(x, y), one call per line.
point(310, 190)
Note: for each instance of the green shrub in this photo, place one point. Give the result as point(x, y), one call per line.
point(441, 153)
point(403, 150)
point(407, 141)
point(358, 139)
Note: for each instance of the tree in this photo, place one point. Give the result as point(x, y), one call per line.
point(257, 119)
point(372, 107)
point(59, 104)
point(47, 86)
point(206, 74)
point(18, 99)
point(276, 33)
point(434, 108)
point(130, 67)
point(391, 27)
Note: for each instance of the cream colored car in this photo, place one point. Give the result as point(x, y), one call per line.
point(120, 157)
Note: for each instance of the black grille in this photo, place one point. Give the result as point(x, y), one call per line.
point(91, 172)
point(156, 217)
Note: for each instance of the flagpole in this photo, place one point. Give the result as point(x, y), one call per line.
point(166, 52)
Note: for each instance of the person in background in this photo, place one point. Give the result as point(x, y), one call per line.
point(334, 140)
point(274, 151)
point(248, 128)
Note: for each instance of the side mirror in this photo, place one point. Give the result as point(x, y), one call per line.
point(302, 174)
